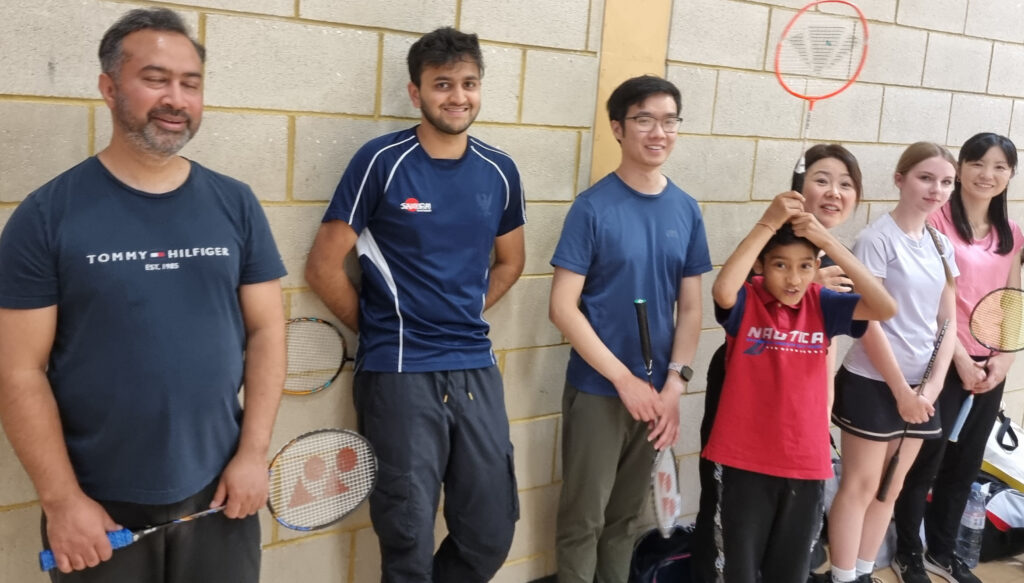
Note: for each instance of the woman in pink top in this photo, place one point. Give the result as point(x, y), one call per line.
point(987, 246)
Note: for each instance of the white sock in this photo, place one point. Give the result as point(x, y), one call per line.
point(843, 575)
point(865, 567)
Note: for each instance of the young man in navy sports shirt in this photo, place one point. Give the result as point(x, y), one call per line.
point(423, 208)
point(122, 350)
point(769, 440)
point(633, 234)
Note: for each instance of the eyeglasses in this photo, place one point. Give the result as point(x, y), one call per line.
point(645, 123)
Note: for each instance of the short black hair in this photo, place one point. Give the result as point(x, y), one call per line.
point(636, 90)
point(785, 236)
point(111, 47)
point(443, 46)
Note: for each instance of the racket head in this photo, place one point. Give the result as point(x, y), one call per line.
point(320, 477)
point(665, 491)
point(316, 353)
point(822, 50)
point(997, 320)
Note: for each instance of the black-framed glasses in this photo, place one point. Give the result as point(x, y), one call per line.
point(645, 123)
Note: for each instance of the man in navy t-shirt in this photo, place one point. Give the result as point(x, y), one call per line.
point(138, 292)
point(424, 207)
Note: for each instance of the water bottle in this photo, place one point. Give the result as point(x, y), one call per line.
point(972, 524)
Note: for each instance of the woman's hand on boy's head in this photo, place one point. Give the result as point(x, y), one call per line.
point(833, 278)
point(782, 208)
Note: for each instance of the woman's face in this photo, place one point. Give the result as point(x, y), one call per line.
point(986, 178)
point(927, 185)
point(829, 192)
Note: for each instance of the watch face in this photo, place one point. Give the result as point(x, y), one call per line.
point(686, 372)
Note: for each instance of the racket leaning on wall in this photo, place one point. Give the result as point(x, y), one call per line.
point(316, 353)
point(997, 324)
point(820, 54)
point(664, 475)
point(316, 479)
point(890, 468)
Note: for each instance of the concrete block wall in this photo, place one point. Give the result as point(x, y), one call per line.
point(294, 87)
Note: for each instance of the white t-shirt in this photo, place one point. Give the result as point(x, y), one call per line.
point(912, 273)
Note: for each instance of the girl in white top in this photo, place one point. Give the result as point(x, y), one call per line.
point(987, 245)
point(876, 392)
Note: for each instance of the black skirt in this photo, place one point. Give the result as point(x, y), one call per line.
point(866, 408)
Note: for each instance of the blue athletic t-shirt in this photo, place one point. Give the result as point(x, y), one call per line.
point(426, 228)
point(630, 245)
point(147, 359)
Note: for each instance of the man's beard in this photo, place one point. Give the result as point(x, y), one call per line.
point(445, 127)
point(147, 135)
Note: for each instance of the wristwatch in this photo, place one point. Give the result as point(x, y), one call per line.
point(684, 370)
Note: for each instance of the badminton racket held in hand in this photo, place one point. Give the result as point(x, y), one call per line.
point(664, 475)
point(997, 324)
point(890, 469)
point(820, 54)
point(316, 353)
point(316, 479)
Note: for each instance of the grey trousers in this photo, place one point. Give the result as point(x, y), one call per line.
point(431, 430)
point(606, 477)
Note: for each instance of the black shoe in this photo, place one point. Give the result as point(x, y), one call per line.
point(954, 570)
point(819, 578)
point(909, 568)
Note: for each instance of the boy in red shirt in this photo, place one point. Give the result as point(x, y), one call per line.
point(770, 437)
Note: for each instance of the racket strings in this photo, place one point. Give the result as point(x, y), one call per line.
point(997, 322)
point(820, 53)
point(316, 352)
point(320, 478)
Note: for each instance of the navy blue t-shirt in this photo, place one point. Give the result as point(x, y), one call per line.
point(148, 354)
point(426, 228)
point(630, 245)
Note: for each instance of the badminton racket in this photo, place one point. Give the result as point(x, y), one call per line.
point(316, 353)
point(316, 479)
point(664, 475)
point(996, 323)
point(890, 469)
point(820, 54)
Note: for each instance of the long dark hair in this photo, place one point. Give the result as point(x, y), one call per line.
point(973, 149)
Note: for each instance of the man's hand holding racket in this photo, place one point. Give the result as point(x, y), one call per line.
point(244, 485)
point(639, 398)
point(996, 367)
point(76, 528)
point(666, 429)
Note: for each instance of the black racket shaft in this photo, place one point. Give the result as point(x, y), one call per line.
point(645, 337)
point(890, 469)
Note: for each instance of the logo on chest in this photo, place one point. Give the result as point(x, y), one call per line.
point(414, 206)
point(760, 339)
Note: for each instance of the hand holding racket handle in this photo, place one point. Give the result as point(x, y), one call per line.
point(645, 337)
point(890, 470)
point(118, 539)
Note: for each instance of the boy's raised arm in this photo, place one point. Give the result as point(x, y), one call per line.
point(875, 302)
point(729, 281)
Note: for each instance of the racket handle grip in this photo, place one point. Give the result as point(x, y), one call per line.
point(118, 539)
point(890, 470)
point(645, 332)
point(961, 417)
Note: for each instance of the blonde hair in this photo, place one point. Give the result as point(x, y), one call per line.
point(919, 152)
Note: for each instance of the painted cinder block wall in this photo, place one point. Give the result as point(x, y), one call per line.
point(295, 86)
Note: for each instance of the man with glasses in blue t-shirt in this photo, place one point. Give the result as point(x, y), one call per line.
point(423, 208)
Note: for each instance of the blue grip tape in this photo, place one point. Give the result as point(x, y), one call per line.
point(118, 539)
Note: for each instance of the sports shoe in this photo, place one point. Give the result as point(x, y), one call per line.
point(954, 571)
point(909, 568)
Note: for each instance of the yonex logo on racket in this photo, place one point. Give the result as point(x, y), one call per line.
point(414, 206)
